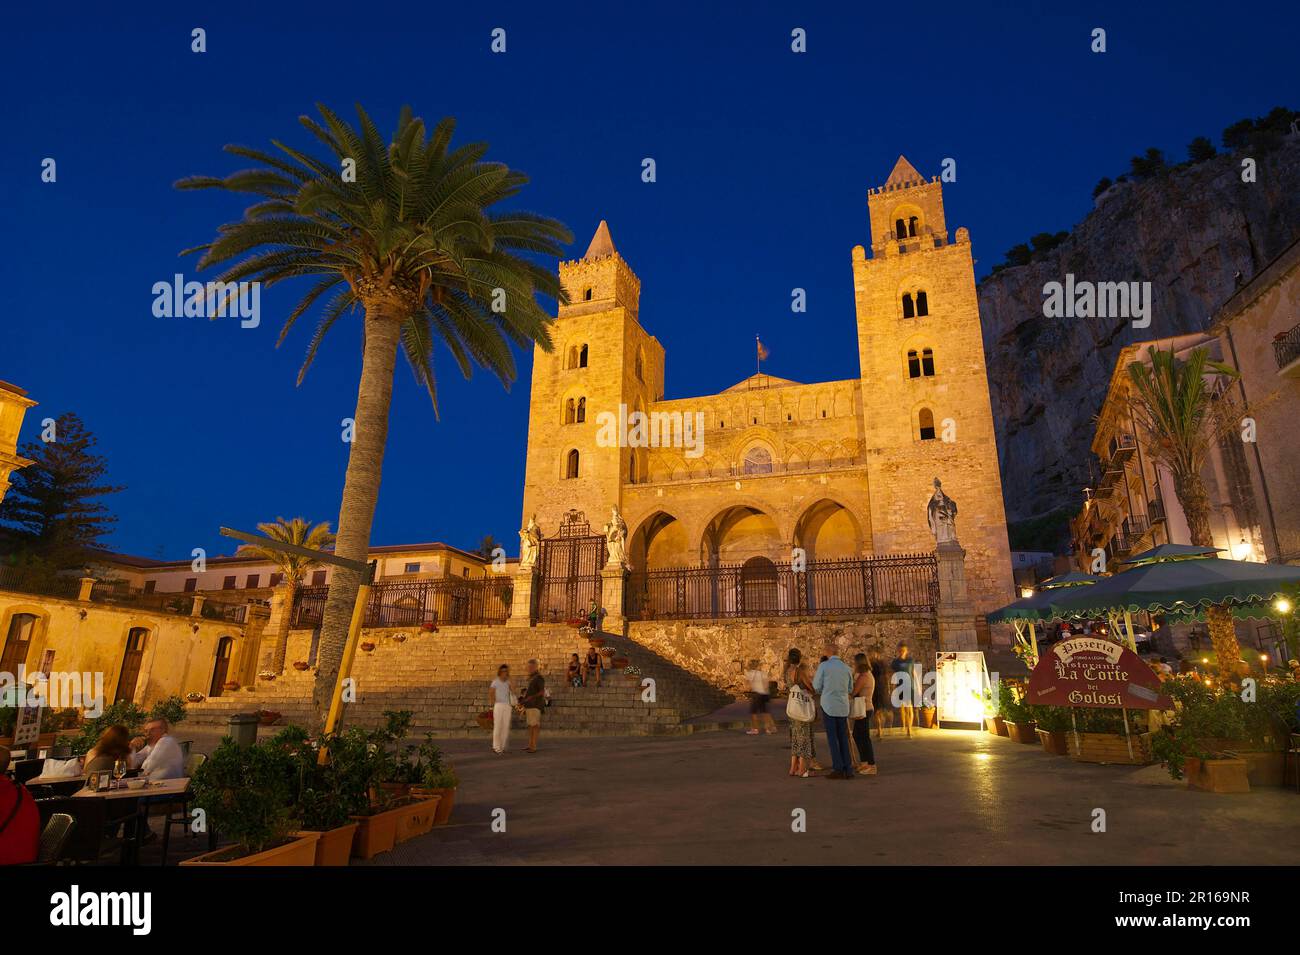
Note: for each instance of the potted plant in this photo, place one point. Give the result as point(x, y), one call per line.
point(267, 675)
point(194, 697)
point(230, 685)
point(1101, 737)
point(928, 712)
point(365, 761)
point(319, 800)
point(245, 792)
point(1015, 714)
point(300, 665)
point(367, 646)
point(992, 721)
point(1053, 728)
point(444, 782)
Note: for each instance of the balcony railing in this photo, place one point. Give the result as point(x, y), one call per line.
point(1135, 525)
point(1286, 348)
point(1121, 446)
point(414, 603)
point(906, 584)
point(1156, 511)
point(26, 581)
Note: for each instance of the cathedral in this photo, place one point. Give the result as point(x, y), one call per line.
point(770, 471)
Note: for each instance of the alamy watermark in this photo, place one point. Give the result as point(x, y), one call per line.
point(1085, 299)
point(658, 429)
point(181, 299)
point(60, 690)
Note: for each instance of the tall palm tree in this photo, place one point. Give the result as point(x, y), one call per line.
point(293, 567)
point(406, 234)
point(1177, 412)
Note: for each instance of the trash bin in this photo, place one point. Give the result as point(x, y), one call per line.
point(243, 727)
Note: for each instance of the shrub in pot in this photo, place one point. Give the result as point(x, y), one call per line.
point(1015, 714)
point(1053, 724)
point(366, 760)
point(318, 803)
point(245, 792)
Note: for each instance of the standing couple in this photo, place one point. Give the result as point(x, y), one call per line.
point(503, 703)
point(844, 694)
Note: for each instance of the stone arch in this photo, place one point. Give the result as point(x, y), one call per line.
point(660, 540)
point(827, 529)
point(907, 220)
point(924, 422)
point(741, 529)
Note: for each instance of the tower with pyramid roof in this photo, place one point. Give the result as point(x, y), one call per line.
point(603, 360)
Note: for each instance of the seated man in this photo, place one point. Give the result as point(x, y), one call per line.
point(157, 754)
point(594, 664)
point(20, 820)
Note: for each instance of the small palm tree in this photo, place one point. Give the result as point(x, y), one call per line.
point(1177, 412)
point(404, 233)
point(293, 567)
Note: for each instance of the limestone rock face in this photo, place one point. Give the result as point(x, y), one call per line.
point(1187, 233)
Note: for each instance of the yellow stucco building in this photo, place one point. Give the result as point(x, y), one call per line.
point(769, 467)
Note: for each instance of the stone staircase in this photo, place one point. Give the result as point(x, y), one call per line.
point(443, 676)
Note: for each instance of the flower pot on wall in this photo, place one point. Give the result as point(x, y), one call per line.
point(300, 850)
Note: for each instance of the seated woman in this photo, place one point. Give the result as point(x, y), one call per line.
point(113, 744)
point(575, 671)
point(594, 663)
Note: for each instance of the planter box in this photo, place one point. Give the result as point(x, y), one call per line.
point(1055, 742)
point(417, 818)
point(444, 805)
point(1217, 775)
point(1110, 748)
point(334, 846)
point(1022, 732)
point(298, 851)
point(376, 834)
point(1264, 767)
point(995, 725)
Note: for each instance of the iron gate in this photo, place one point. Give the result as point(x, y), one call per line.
point(570, 565)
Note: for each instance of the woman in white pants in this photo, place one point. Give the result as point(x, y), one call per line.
point(502, 700)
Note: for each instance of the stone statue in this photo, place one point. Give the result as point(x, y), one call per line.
point(616, 539)
point(941, 513)
point(530, 541)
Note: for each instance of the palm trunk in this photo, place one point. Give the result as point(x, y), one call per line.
point(1218, 619)
point(360, 493)
point(286, 618)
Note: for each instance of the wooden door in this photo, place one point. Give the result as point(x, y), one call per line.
point(222, 666)
point(131, 665)
point(17, 642)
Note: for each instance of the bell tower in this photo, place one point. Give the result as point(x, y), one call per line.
point(603, 364)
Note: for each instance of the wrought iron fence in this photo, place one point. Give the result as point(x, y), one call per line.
point(1286, 347)
point(26, 581)
point(413, 603)
point(903, 583)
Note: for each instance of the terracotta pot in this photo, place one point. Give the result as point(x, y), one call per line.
point(300, 850)
point(1022, 732)
point(444, 806)
point(927, 716)
point(995, 725)
point(230, 685)
point(376, 834)
point(418, 818)
point(1217, 775)
point(301, 665)
point(335, 845)
point(367, 646)
point(1055, 742)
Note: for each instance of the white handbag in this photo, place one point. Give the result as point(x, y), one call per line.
point(859, 709)
point(800, 705)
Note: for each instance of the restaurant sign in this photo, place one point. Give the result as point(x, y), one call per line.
point(1092, 671)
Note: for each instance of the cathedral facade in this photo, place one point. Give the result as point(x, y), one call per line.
point(772, 470)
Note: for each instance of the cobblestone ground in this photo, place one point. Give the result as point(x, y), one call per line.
point(945, 797)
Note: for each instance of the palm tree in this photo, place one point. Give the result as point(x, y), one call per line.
point(1177, 412)
point(405, 234)
point(293, 567)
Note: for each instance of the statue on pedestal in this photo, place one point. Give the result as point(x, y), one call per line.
point(530, 542)
point(616, 539)
point(941, 513)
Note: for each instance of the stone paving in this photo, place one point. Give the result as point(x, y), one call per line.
point(944, 797)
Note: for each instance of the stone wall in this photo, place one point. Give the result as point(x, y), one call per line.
point(719, 650)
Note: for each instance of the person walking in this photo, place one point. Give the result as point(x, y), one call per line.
point(864, 691)
point(502, 700)
point(834, 681)
point(760, 691)
point(880, 700)
point(534, 701)
point(801, 712)
point(903, 687)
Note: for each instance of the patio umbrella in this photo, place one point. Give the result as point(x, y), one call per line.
point(1177, 579)
point(1038, 606)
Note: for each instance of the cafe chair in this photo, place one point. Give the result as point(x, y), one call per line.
point(178, 812)
point(54, 839)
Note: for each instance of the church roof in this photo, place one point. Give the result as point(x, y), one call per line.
point(602, 244)
point(904, 173)
point(761, 381)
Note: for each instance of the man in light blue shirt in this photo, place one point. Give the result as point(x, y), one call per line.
point(834, 681)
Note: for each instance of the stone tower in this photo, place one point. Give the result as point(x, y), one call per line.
point(926, 407)
point(603, 360)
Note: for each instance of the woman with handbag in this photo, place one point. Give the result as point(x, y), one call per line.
point(801, 711)
point(860, 709)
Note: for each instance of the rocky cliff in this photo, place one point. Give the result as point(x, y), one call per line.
point(1188, 232)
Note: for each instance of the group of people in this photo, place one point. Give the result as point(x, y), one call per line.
point(156, 754)
point(581, 670)
point(851, 700)
point(504, 702)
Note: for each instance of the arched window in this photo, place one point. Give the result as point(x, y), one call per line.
point(900, 229)
point(911, 227)
point(909, 311)
point(913, 364)
point(582, 410)
point(572, 360)
point(586, 295)
point(757, 461)
point(922, 304)
point(925, 422)
point(631, 468)
point(639, 367)
point(570, 414)
point(927, 362)
point(571, 464)
point(582, 357)
point(22, 627)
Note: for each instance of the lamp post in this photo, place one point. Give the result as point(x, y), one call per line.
point(367, 571)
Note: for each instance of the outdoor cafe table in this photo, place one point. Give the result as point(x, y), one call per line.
point(161, 791)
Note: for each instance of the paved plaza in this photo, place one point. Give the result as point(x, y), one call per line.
point(945, 797)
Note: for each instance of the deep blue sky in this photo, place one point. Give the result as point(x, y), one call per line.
point(764, 158)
